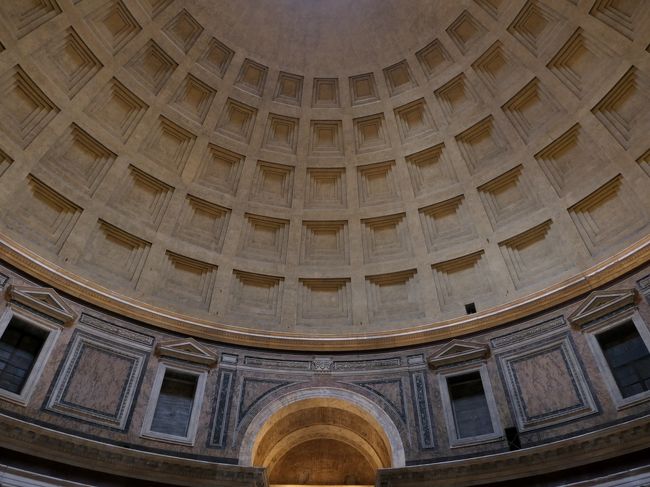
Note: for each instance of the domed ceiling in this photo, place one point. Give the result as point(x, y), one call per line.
point(324, 174)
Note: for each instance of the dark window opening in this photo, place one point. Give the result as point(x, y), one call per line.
point(20, 346)
point(470, 308)
point(628, 358)
point(512, 437)
point(175, 402)
point(469, 405)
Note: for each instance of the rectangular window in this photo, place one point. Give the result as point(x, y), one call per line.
point(175, 403)
point(627, 357)
point(469, 405)
point(20, 346)
point(26, 342)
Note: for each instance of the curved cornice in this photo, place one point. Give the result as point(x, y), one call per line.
point(607, 270)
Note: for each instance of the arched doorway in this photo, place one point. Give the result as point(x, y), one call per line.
point(322, 437)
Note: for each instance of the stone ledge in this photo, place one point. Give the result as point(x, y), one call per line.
point(62, 447)
point(583, 449)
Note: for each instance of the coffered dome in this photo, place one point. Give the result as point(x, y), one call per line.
point(323, 174)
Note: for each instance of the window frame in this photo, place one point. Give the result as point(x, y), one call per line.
point(593, 330)
point(51, 329)
point(455, 440)
point(201, 374)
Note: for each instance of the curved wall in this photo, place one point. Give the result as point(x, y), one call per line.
point(91, 398)
point(171, 162)
point(298, 199)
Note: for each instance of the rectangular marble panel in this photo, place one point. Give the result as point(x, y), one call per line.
point(98, 379)
point(545, 382)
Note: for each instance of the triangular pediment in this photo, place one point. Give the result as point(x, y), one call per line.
point(186, 349)
point(601, 303)
point(458, 351)
point(42, 300)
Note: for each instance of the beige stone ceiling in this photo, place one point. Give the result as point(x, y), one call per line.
point(258, 170)
point(327, 37)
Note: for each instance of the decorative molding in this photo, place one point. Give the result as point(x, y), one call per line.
point(116, 331)
point(643, 283)
point(322, 365)
point(531, 370)
point(422, 407)
point(237, 120)
point(289, 88)
point(42, 300)
point(614, 266)
point(187, 282)
point(326, 138)
point(78, 160)
point(434, 58)
point(531, 109)
point(151, 66)
point(272, 363)
point(414, 120)
point(222, 407)
point(154, 7)
point(98, 357)
point(325, 300)
point(220, 170)
point(466, 32)
point(26, 110)
point(363, 89)
point(216, 58)
point(584, 449)
point(183, 30)
point(372, 364)
point(624, 20)
point(431, 170)
point(252, 77)
point(394, 296)
point(62, 447)
point(169, 145)
point(326, 188)
point(457, 280)
point(193, 98)
point(73, 63)
point(535, 25)
point(326, 93)
point(24, 17)
point(447, 223)
point(385, 238)
point(370, 133)
point(117, 109)
point(458, 351)
point(529, 333)
point(188, 350)
point(600, 303)
point(5, 162)
point(628, 316)
point(456, 436)
point(399, 78)
point(456, 96)
point(482, 145)
point(114, 24)
point(281, 133)
point(377, 183)
point(622, 111)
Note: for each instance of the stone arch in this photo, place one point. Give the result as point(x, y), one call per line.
point(333, 416)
